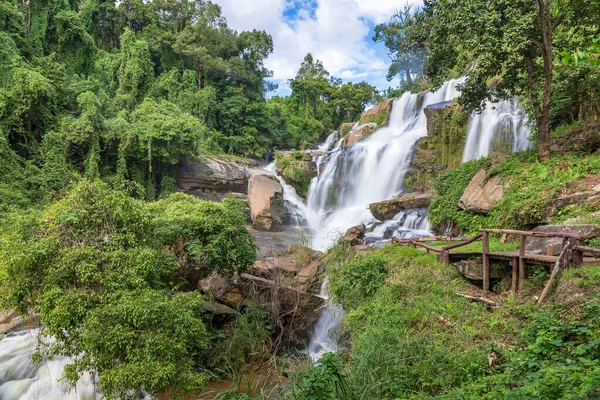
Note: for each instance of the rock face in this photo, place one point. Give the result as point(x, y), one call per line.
point(355, 235)
point(358, 134)
point(265, 198)
point(480, 196)
point(212, 178)
point(540, 245)
point(589, 197)
point(386, 210)
point(380, 114)
point(446, 132)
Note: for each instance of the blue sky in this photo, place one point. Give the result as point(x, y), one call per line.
point(337, 32)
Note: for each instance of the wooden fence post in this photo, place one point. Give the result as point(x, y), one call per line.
point(575, 254)
point(486, 262)
point(521, 262)
point(515, 276)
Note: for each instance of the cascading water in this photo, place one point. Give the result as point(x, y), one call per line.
point(500, 127)
point(371, 170)
point(20, 379)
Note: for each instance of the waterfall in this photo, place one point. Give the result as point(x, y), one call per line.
point(500, 127)
point(20, 379)
point(370, 171)
point(326, 334)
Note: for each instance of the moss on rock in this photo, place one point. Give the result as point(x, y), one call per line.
point(297, 168)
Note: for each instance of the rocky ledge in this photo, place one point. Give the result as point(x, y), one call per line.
point(386, 210)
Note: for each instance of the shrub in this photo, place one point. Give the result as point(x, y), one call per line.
point(358, 280)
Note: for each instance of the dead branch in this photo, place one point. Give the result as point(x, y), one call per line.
point(554, 274)
point(483, 300)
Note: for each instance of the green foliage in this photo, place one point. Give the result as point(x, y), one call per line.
point(358, 280)
point(449, 187)
point(325, 381)
point(532, 186)
point(292, 169)
point(105, 273)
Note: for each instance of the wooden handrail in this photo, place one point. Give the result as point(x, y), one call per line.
point(534, 234)
point(464, 243)
point(586, 249)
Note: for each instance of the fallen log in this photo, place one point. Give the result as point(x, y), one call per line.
point(483, 300)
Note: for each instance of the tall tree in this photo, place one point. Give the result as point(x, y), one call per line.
point(405, 37)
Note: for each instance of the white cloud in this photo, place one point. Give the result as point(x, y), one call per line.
point(336, 32)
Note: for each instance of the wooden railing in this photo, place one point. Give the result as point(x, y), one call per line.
point(571, 245)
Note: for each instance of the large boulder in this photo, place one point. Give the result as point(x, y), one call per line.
point(380, 114)
point(386, 210)
point(355, 235)
point(359, 133)
point(212, 178)
point(589, 197)
point(473, 270)
point(540, 245)
point(481, 194)
point(265, 199)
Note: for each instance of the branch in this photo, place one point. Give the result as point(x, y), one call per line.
point(483, 300)
point(536, 42)
point(555, 271)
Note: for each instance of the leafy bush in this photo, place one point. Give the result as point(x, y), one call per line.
point(325, 381)
point(449, 187)
point(358, 280)
point(291, 168)
point(104, 273)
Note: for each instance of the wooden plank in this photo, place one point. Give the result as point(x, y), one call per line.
point(521, 263)
point(486, 262)
point(576, 256)
point(534, 234)
point(515, 274)
point(464, 243)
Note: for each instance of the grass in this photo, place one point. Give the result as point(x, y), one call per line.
point(411, 336)
point(495, 244)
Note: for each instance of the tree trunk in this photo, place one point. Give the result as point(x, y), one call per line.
point(408, 77)
point(28, 3)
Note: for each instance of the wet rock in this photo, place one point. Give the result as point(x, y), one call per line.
point(539, 245)
point(218, 308)
point(265, 198)
point(480, 195)
point(386, 210)
point(212, 178)
point(355, 235)
point(358, 134)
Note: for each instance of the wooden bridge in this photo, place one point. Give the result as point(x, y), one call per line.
point(572, 253)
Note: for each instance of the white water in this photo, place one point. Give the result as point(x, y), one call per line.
point(370, 171)
point(326, 334)
point(19, 379)
point(500, 125)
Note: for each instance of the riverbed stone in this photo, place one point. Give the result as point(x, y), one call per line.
point(481, 193)
point(388, 209)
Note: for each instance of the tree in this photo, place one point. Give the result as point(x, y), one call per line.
point(310, 84)
point(405, 37)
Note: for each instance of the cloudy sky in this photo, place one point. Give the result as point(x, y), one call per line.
point(337, 32)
